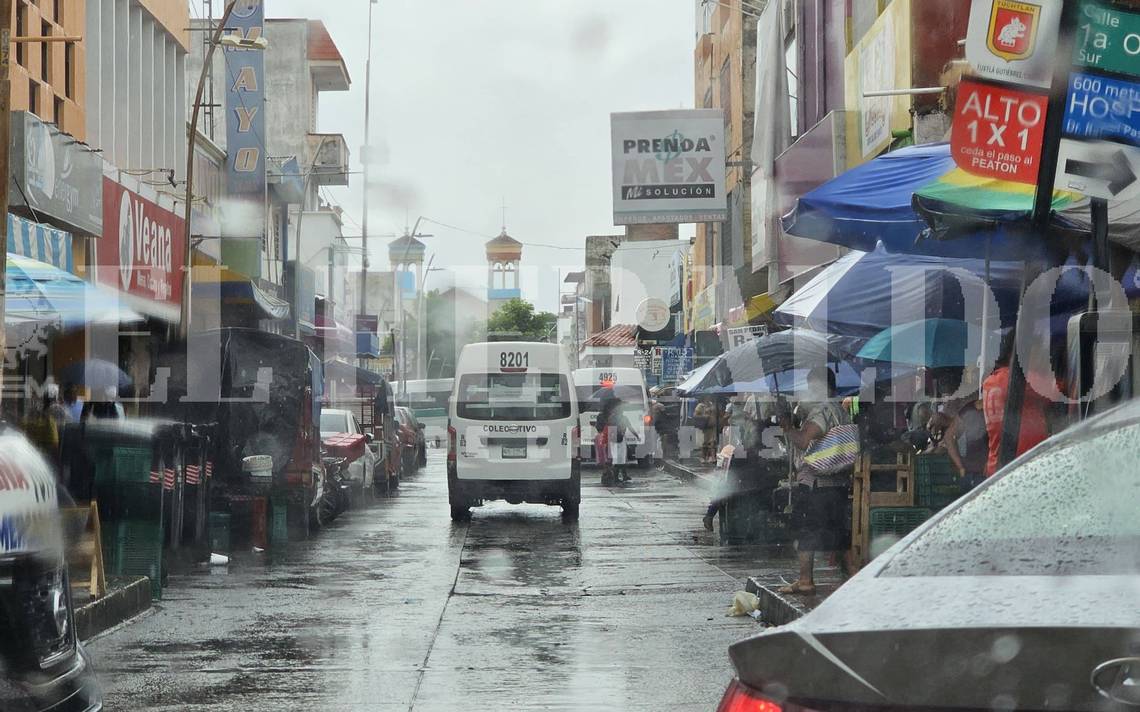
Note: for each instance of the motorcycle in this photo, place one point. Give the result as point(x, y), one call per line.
point(336, 496)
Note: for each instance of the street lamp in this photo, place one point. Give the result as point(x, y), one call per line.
point(188, 258)
point(367, 161)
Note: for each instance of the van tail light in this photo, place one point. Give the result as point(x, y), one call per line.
point(740, 698)
point(576, 442)
point(452, 453)
point(648, 420)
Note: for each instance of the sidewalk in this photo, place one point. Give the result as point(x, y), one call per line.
point(776, 608)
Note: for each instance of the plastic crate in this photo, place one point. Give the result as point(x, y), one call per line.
point(896, 521)
point(123, 464)
point(134, 501)
point(278, 522)
point(134, 548)
point(936, 482)
point(219, 528)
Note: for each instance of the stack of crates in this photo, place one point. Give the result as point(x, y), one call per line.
point(896, 522)
point(278, 521)
point(219, 532)
point(133, 528)
point(936, 481)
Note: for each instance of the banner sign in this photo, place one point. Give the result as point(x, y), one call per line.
point(1102, 107)
point(56, 175)
point(998, 131)
point(1013, 41)
point(742, 335)
point(142, 249)
point(675, 362)
point(1108, 38)
point(668, 167)
point(245, 126)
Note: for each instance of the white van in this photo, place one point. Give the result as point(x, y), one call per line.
point(592, 385)
point(513, 428)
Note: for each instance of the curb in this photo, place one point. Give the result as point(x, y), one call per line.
point(775, 609)
point(684, 473)
point(121, 604)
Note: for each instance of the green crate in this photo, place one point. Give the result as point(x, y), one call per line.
point(278, 522)
point(219, 528)
point(134, 548)
point(936, 482)
point(121, 463)
point(896, 521)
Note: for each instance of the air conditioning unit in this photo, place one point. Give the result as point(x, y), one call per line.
point(329, 156)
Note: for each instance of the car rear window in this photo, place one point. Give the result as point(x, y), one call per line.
point(513, 396)
point(1070, 510)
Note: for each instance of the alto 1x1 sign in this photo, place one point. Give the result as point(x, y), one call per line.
point(1107, 38)
point(668, 167)
point(998, 131)
point(1102, 107)
point(1013, 41)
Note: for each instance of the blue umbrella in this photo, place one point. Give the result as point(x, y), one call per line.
point(932, 343)
point(96, 374)
point(37, 292)
point(859, 294)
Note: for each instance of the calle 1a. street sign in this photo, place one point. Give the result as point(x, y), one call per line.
point(1107, 38)
point(1013, 41)
point(998, 131)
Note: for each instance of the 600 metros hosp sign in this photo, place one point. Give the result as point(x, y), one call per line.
point(668, 167)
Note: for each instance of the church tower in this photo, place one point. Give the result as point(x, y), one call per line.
point(504, 254)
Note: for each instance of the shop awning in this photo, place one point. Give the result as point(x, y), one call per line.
point(39, 293)
point(347, 373)
point(40, 242)
point(234, 289)
point(753, 308)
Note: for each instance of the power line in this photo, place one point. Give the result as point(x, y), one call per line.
point(543, 245)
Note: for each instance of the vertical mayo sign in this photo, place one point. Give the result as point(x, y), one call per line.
point(668, 167)
point(998, 131)
point(245, 125)
point(1014, 41)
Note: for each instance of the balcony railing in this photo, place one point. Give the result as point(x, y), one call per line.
point(327, 155)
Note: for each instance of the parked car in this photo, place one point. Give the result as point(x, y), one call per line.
point(362, 470)
point(1020, 595)
point(43, 665)
point(421, 436)
point(413, 447)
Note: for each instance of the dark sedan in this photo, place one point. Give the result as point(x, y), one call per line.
point(1021, 596)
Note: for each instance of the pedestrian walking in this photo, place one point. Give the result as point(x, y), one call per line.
point(72, 402)
point(1034, 407)
point(704, 419)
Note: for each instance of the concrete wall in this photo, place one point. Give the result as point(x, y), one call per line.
point(638, 271)
point(136, 82)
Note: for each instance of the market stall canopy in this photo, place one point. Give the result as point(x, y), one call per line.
point(862, 293)
point(896, 197)
point(39, 293)
point(695, 377)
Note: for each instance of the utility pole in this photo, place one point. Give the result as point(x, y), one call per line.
point(6, 11)
point(367, 161)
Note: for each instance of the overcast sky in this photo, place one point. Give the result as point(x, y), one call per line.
point(474, 102)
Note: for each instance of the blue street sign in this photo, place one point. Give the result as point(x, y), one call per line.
point(1100, 107)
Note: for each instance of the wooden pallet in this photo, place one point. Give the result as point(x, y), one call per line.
point(863, 499)
point(85, 548)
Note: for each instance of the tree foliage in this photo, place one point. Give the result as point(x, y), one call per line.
point(517, 318)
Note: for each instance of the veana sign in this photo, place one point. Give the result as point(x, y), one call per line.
point(1108, 39)
point(1014, 41)
point(668, 167)
point(142, 250)
point(1102, 108)
point(998, 131)
point(245, 126)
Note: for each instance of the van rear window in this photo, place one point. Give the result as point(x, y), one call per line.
point(513, 396)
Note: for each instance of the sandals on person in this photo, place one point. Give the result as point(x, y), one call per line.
point(797, 588)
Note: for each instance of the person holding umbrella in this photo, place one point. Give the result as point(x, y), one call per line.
point(821, 498)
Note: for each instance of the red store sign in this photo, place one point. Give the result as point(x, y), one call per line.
point(142, 248)
point(998, 131)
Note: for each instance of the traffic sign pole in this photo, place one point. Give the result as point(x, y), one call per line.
point(1042, 211)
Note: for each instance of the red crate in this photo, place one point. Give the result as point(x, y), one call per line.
point(345, 445)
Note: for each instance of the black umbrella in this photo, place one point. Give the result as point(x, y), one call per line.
point(97, 375)
point(794, 349)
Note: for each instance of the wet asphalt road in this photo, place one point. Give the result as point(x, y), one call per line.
point(394, 607)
